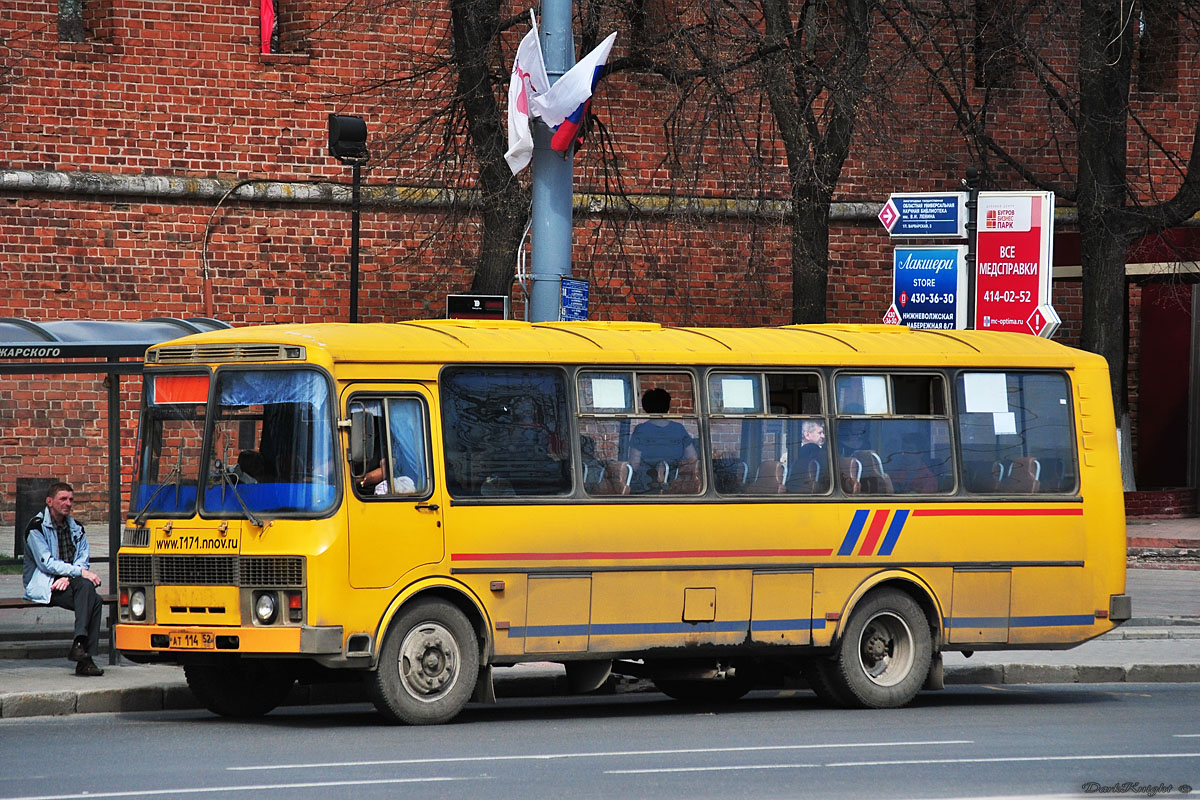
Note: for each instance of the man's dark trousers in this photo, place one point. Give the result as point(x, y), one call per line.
point(81, 597)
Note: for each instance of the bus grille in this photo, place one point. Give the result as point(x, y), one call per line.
point(134, 569)
point(274, 572)
point(197, 570)
point(257, 571)
point(135, 537)
point(188, 354)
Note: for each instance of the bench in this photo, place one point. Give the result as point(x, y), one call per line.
point(109, 601)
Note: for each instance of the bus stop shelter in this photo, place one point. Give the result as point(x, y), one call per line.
point(87, 347)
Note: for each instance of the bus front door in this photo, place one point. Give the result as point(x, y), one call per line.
point(394, 503)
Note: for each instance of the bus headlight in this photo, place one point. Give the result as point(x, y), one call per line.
point(265, 607)
point(137, 604)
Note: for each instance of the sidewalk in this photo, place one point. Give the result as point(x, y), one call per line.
point(1160, 644)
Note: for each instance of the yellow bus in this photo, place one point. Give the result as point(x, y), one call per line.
point(419, 503)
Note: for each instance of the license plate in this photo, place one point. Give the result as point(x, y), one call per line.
point(193, 641)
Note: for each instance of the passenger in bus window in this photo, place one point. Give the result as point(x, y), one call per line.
point(658, 441)
point(808, 473)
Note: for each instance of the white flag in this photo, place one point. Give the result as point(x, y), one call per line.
point(527, 82)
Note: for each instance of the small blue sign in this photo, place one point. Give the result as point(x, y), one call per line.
point(573, 304)
point(926, 215)
point(930, 286)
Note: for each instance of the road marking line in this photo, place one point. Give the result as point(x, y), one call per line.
point(1187, 735)
point(999, 759)
point(267, 787)
point(709, 769)
point(601, 754)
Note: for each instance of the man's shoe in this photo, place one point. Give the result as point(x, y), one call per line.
point(88, 669)
point(78, 650)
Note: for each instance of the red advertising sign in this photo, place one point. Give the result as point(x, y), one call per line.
point(1013, 262)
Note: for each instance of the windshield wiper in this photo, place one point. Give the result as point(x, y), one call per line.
point(232, 484)
point(172, 475)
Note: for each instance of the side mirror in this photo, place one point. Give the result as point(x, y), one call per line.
point(362, 439)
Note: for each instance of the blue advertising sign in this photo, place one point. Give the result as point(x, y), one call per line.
point(573, 304)
point(929, 287)
point(926, 215)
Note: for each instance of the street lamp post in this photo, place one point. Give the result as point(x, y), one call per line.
point(348, 144)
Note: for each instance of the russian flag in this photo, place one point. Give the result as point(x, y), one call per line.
point(564, 106)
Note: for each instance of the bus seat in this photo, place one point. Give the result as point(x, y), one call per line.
point(805, 479)
point(874, 480)
point(1023, 476)
point(618, 475)
point(910, 474)
point(770, 478)
point(686, 479)
point(593, 474)
point(730, 474)
point(850, 470)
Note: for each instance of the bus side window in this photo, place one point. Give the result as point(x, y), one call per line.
point(1016, 433)
point(505, 431)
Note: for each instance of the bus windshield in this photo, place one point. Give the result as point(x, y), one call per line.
point(270, 446)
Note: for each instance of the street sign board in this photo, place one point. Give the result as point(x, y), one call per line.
point(929, 286)
point(1013, 263)
point(926, 215)
point(573, 300)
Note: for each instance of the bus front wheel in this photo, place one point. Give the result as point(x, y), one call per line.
point(239, 688)
point(884, 655)
point(427, 666)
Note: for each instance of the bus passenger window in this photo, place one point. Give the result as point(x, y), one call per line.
point(767, 435)
point(505, 432)
point(1015, 433)
point(639, 434)
point(893, 436)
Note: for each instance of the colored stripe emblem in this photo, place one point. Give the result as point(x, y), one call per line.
point(879, 521)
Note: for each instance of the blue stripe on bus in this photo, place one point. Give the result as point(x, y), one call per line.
point(1047, 621)
point(889, 541)
point(856, 526)
point(633, 628)
point(787, 624)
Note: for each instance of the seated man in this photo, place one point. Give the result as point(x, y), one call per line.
point(808, 472)
point(56, 573)
point(656, 441)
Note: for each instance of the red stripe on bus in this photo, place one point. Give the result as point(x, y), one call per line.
point(877, 521)
point(998, 512)
point(634, 555)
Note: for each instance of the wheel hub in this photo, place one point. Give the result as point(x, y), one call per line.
point(428, 661)
point(875, 647)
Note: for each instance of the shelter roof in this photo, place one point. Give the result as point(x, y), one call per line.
point(90, 338)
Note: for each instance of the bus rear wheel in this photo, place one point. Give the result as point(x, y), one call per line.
point(884, 655)
point(428, 665)
point(239, 688)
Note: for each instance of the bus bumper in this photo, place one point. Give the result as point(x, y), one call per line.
point(196, 640)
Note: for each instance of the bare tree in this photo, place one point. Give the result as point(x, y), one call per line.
point(799, 70)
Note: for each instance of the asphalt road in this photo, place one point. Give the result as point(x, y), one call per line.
point(969, 741)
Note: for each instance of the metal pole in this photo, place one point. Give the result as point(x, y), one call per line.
point(553, 175)
point(112, 382)
point(354, 205)
point(972, 183)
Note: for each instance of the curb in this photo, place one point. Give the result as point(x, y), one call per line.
point(176, 697)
